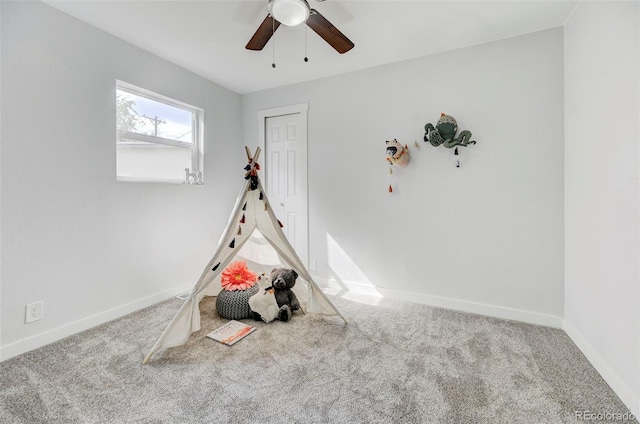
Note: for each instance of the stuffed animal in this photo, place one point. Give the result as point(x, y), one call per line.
point(262, 303)
point(397, 154)
point(445, 133)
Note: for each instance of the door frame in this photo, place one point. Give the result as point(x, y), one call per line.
point(303, 110)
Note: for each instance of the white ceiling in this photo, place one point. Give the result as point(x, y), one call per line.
point(209, 37)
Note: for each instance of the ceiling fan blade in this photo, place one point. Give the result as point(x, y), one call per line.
point(328, 32)
point(263, 34)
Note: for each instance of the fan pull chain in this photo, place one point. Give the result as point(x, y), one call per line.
point(273, 31)
point(306, 58)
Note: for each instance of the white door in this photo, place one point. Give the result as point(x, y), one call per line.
point(286, 176)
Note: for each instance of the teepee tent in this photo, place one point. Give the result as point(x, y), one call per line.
point(251, 227)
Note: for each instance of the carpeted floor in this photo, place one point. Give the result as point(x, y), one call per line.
point(395, 362)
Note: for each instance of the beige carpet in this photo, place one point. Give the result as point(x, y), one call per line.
point(395, 362)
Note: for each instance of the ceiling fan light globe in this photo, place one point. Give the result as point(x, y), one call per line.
point(289, 12)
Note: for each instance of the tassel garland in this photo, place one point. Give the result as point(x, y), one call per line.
point(232, 244)
point(252, 174)
point(242, 219)
point(390, 189)
point(239, 230)
point(254, 182)
point(215, 267)
point(244, 208)
point(261, 196)
point(280, 224)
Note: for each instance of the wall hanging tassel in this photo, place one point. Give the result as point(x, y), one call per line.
point(242, 219)
point(247, 168)
point(244, 208)
point(280, 224)
point(239, 230)
point(232, 244)
point(215, 266)
point(261, 196)
point(390, 189)
point(390, 170)
point(455, 152)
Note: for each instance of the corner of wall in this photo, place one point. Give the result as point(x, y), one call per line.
point(623, 391)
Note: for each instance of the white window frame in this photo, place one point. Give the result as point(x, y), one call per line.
point(197, 147)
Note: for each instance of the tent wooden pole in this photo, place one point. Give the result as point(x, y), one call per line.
point(256, 155)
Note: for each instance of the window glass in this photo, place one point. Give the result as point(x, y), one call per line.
point(156, 119)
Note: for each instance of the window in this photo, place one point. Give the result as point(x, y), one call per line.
point(158, 139)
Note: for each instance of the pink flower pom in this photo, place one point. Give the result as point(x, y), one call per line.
point(237, 277)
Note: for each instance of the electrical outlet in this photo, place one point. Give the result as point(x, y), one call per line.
point(33, 312)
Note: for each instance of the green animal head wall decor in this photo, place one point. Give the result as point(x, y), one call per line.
point(444, 133)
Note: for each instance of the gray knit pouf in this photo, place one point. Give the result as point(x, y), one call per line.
point(234, 304)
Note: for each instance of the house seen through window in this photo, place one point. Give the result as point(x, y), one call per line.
point(158, 138)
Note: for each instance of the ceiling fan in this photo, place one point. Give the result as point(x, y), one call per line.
point(296, 12)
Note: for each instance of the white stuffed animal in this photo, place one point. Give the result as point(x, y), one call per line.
point(264, 304)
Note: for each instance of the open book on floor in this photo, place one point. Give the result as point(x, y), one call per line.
point(231, 332)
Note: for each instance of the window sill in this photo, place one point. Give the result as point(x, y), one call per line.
point(151, 180)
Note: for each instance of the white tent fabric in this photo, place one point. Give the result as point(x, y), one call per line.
point(260, 232)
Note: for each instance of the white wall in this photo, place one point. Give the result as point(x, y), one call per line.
point(602, 111)
point(487, 237)
point(89, 247)
point(1, 60)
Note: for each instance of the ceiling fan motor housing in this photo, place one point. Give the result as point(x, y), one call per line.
point(289, 12)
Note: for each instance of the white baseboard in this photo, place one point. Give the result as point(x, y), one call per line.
point(624, 392)
point(529, 317)
point(50, 336)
